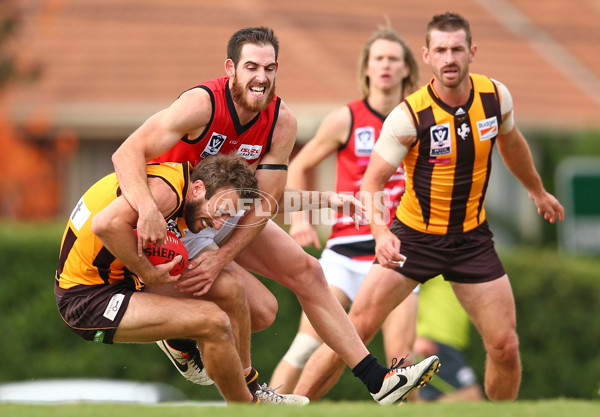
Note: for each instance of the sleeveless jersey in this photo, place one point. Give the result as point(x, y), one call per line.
point(449, 166)
point(224, 133)
point(84, 260)
point(351, 164)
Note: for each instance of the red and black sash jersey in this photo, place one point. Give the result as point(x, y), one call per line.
point(449, 166)
point(84, 260)
point(224, 133)
point(351, 164)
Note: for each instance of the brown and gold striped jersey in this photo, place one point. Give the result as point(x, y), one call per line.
point(84, 260)
point(449, 165)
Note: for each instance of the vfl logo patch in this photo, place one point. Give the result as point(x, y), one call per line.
point(214, 144)
point(250, 151)
point(487, 128)
point(441, 144)
point(364, 140)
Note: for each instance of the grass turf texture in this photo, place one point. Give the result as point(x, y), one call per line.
point(550, 408)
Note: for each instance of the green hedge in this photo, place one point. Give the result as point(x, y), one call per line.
point(558, 321)
point(549, 148)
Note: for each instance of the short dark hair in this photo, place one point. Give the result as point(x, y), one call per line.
point(257, 36)
point(221, 170)
point(448, 22)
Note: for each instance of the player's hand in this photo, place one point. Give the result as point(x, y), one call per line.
point(305, 234)
point(387, 250)
point(160, 274)
point(151, 227)
point(548, 206)
point(348, 205)
point(201, 272)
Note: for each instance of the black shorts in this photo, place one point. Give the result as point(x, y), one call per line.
point(466, 257)
point(94, 311)
point(454, 374)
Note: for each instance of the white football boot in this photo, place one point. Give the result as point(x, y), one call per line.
point(188, 362)
point(400, 382)
point(267, 395)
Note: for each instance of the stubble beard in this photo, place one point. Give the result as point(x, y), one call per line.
point(461, 74)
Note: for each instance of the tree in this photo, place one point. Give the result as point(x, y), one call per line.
point(10, 71)
point(32, 158)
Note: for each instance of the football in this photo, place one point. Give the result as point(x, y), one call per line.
point(164, 253)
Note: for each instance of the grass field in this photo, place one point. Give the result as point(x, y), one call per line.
point(548, 408)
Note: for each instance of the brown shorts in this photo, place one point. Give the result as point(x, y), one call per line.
point(466, 257)
point(94, 311)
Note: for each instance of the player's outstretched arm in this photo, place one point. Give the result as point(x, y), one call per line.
point(330, 136)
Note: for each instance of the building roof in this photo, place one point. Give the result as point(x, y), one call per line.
point(113, 63)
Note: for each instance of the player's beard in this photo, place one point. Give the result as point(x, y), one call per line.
point(190, 215)
point(238, 93)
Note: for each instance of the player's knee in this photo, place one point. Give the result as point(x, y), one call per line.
point(504, 349)
point(365, 327)
point(263, 313)
point(301, 349)
point(306, 276)
point(214, 326)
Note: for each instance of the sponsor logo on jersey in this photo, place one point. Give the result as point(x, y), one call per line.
point(113, 307)
point(488, 128)
point(441, 143)
point(364, 140)
point(214, 145)
point(249, 151)
point(440, 161)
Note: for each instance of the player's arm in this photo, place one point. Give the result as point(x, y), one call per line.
point(114, 227)
point(296, 201)
point(155, 136)
point(397, 136)
point(516, 155)
point(330, 135)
